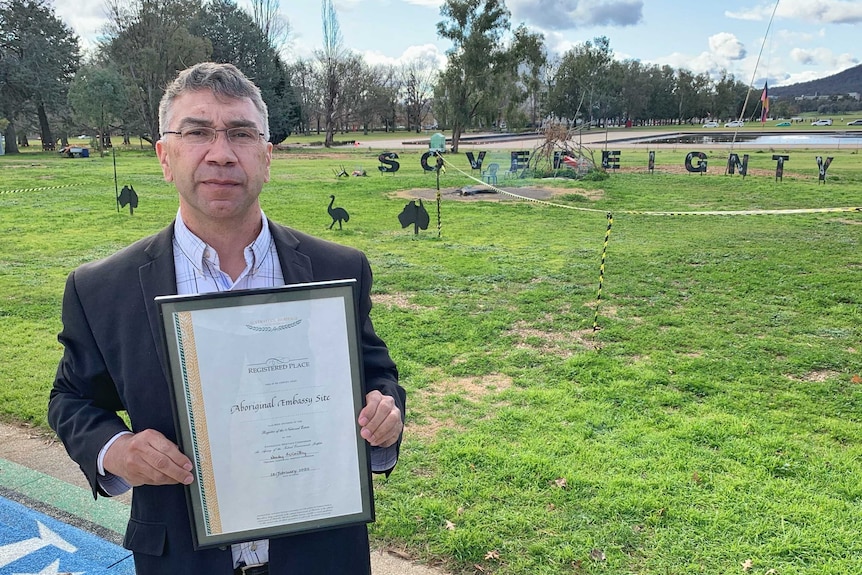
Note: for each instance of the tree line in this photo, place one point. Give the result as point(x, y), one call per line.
point(495, 77)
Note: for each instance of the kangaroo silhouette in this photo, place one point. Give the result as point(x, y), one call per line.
point(337, 214)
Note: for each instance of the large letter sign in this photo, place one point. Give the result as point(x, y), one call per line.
point(388, 161)
point(734, 163)
point(519, 160)
point(823, 167)
point(779, 167)
point(701, 162)
point(424, 161)
point(610, 160)
point(474, 163)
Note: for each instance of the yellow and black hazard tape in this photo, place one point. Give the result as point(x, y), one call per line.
point(775, 212)
point(602, 270)
point(610, 217)
point(19, 190)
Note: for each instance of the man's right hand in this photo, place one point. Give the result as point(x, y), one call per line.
point(148, 458)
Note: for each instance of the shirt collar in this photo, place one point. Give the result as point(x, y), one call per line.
point(200, 254)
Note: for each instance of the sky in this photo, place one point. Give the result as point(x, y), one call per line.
point(808, 39)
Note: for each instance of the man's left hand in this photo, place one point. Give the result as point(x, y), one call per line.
point(380, 420)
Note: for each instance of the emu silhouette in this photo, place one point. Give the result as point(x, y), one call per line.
point(337, 214)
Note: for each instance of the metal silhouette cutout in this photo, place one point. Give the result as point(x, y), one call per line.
point(388, 162)
point(416, 215)
point(700, 167)
point(475, 164)
point(779, 166)
point(611, 159)
point(823, 166)
point(128, 197)
point(337, 214)
point(734, 164)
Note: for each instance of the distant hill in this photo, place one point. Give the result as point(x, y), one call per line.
point(849, 80)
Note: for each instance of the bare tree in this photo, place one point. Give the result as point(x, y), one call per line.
point(271, 22)
point(331, 58)
point(308, 93)
point(418, 78)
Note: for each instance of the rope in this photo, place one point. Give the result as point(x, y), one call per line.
point(610, 219)
point(775, 212)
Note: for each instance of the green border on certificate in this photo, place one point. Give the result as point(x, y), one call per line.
point(267, 386)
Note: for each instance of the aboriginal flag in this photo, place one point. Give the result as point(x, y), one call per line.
point(764, 103)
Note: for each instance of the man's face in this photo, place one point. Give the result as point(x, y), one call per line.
point(217, 181)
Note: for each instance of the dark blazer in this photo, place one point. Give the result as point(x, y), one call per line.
point(114, 360)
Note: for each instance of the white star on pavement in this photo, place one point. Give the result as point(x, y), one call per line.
point(52, 569)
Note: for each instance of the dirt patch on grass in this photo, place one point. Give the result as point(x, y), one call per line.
point(398, 300)
point(559, 343)
point(818, 376)
point(488, 194)
point(471, 388)
point(428, 428)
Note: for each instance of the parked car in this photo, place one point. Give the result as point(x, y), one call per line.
point(821, 123)
point(855, 122)
point(711, 125)
point(783, 124)
point(735, 124)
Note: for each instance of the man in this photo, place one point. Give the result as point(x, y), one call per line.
point(214, 149)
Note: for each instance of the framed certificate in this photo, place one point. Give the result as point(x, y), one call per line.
point(267, 387)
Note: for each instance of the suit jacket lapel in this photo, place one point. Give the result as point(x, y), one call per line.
point(158, 277)
point(295, 266)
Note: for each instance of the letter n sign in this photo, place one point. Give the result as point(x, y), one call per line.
point(733, 163)
point(611, 160)
point(701, 162)
point(823, 167)
point(779, 167)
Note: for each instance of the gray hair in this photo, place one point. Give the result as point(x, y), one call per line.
point(225, 80)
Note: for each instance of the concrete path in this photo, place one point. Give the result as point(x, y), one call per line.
point(36, 472)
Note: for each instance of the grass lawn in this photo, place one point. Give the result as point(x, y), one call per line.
point(711, 425)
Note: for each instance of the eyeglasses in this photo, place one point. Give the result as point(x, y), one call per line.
point(202, 135)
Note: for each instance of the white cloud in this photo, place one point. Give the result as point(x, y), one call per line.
point(428, 53)
point(86, 18)
point(808, 57)
point(794, 37)
point(429, 3)
point(571, 14)
point(823, 58)
point(726, 46)
point(818, 11)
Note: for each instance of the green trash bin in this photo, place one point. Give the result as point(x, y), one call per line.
point(437, 143)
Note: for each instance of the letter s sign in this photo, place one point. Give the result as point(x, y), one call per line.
point(388, 161)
